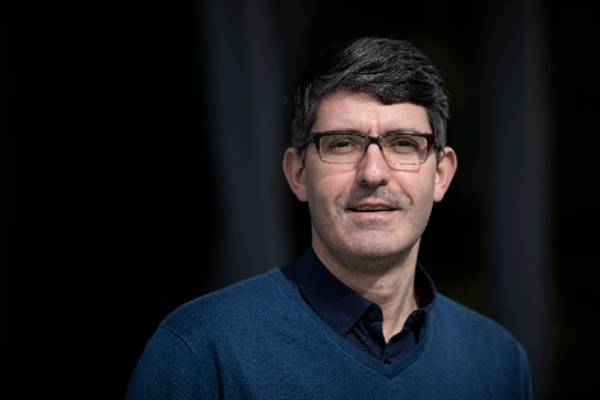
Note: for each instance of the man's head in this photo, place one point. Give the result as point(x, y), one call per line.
point(370, 190)
point(392, 71)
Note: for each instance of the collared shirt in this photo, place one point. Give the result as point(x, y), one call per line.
point(355, 318)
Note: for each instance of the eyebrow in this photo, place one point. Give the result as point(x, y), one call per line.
point(366, 134)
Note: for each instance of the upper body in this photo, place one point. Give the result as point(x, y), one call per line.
point(259, 339)
point(369, 157)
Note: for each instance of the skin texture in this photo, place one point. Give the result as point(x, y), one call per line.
point(367, 219)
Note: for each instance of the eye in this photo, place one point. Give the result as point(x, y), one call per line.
point(341, 143)
point(403, 144)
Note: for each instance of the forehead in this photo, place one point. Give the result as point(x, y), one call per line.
point(344, 110)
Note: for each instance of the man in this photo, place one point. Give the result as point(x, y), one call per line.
point(357, 316)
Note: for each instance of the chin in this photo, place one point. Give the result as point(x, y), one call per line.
point(367, 249)
point(380, 245)
point(370, 251)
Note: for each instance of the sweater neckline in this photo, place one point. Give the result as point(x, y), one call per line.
point(388, 370)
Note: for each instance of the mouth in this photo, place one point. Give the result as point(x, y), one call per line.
point(371, 208)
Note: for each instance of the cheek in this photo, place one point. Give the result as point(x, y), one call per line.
point(425, 192)
point(420, 189)
point(423, 203)
point(322, 193)
point(326, 191)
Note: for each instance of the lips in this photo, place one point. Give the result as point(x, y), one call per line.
point(371, 207)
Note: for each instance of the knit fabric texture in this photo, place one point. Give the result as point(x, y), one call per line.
point(258, 339)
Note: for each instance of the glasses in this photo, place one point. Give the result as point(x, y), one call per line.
point(400, 149)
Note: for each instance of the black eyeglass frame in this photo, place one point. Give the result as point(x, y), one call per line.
point(315, 137)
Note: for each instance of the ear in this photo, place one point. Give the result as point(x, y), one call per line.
point(294, 171)
point(444, 172)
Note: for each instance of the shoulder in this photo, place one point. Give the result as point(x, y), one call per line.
point(460, 319)
point(456, 314)
point(478, 349)
point(462, 322)
point(185, 352)
point(237, 304)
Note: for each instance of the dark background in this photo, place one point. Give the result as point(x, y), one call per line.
point(140, 167)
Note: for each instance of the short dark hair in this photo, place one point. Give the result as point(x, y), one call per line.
point(391, 70)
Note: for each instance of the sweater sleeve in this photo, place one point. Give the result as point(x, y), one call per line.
point(169, 370)
point(525, 375)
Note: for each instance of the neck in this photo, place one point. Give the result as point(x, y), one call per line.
point(390, 286)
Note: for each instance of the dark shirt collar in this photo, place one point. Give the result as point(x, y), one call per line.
point(338, 305)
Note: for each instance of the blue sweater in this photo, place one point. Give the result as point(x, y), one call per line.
point(259, 340)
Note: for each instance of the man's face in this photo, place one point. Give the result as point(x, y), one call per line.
point(368, 212)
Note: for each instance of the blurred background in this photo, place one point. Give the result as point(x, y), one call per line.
point(140, 155)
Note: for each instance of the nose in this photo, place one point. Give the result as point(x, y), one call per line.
point(372, 170)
